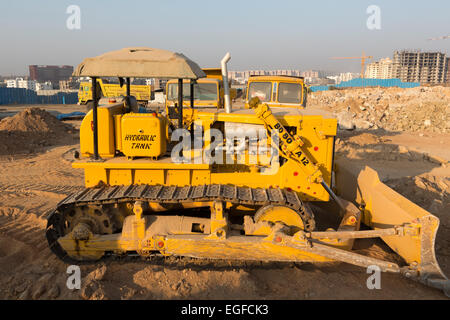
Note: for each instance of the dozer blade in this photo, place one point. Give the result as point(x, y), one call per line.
point(384, 208)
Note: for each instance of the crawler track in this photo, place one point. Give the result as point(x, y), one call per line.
point(108, 196)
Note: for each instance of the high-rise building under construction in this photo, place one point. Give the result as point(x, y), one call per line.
point(448, 71)
point(423, 67)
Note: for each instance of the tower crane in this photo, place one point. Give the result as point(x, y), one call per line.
point(363, 61)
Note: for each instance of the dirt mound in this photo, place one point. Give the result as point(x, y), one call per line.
point(30, 130)
point(369, 147)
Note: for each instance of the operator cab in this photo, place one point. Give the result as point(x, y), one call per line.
point(277, 91)
point(206, 93)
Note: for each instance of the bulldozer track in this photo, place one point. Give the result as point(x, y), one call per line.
point(172, 194)
point(175, 194)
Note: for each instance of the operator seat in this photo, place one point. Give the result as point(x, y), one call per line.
point(131, 104)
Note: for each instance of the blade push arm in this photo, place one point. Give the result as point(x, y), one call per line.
point(291, 146)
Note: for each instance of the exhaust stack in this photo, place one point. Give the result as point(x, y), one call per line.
point(226, 88)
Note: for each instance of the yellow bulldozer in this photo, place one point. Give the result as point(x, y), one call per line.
point(258, 183)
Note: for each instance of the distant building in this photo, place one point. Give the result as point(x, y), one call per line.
point(321, 81)
point(12, 83)
point(309, 80)
point(70, 84)
point(27, 84)
point(42, 73)
point(156, 83)
point(64, 85)
point(423, 67)
point(448, 70)
point(291, 73)
point(334, 78)
point(347, 76)
point(310, 74)
point(83, 79)
point(379, 69)
point(242, 76)
point(44, 86)
point(21, 83)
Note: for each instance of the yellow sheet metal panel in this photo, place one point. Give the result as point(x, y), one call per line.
point(141, 92)
point(177, 177)
point(106, 136)
point(139, 163)
point(120, 177)
point(118, 131)
point(149, 176)
point(199, 177)
point(94, 176)
point(143, 135)
point(213, 73)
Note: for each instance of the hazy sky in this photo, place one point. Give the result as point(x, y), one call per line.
point(259, 34)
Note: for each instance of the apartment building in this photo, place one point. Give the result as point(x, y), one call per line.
point(417, 66)
point(242, 76)
point(42, 73)
point(381, 69)
point(21, 83)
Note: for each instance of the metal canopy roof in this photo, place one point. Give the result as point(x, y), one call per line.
point(140, 62)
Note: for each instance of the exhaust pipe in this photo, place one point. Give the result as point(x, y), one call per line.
point(226, 88)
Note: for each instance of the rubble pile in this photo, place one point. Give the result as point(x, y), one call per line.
point(430, 192)
point(424, 109)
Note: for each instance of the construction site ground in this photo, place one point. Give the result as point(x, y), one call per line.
point(33, 180)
